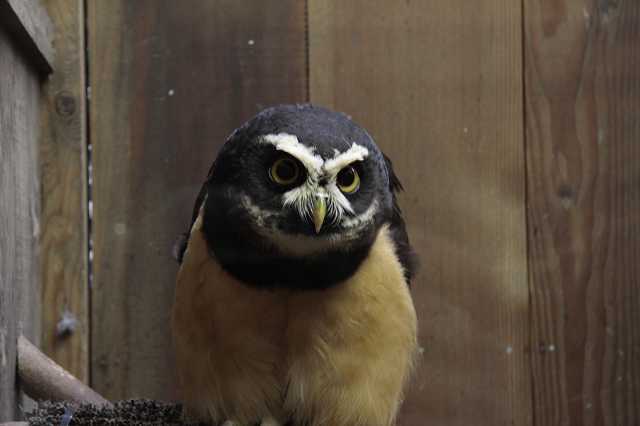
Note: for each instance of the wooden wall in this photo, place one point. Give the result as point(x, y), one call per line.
point(168, 84)
point(440, 88)
point(582, 105)
point(25, 54)
point(513, 125)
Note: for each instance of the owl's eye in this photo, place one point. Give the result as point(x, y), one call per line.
point(284, 171)
point(348, 180)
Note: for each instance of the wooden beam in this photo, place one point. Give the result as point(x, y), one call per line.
point(19, 213)
point(64, 245)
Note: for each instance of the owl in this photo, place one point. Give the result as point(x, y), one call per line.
point(292, 302)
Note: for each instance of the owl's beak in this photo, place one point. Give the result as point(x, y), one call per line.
point(319, 212)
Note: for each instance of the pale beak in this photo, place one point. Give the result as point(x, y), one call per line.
point(319, 212)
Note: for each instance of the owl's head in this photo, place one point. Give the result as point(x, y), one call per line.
point(295, 198)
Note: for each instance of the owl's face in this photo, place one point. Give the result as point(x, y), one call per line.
point(296, 185)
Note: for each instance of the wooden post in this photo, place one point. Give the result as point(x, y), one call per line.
point(25, 55)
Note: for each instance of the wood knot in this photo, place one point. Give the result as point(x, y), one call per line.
point(566, 195)
point(65, 104)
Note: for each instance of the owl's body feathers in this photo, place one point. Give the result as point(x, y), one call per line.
point(292, 300)
point(337, 356)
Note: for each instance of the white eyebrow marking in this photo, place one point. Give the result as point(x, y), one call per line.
point(303, 197)
point(337, 163)
point(290, 144)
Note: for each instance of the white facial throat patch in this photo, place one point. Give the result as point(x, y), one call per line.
point(302, 245)
point(303, 197)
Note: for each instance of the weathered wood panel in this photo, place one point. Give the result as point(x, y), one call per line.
point(30, 28)
point(19, 212)
point(169, 83)
point(64, 244)
point(438, 84)
point(583, 162)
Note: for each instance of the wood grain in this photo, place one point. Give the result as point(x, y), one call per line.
point(19, 213)
point(169, 83)
point(438, 84)
point(583, 168)
point(64, 244)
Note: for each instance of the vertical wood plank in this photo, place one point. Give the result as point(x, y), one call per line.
point(19, 213)
point(169, 83)
point(64, 186)
point(583, 126)
point(438, 84)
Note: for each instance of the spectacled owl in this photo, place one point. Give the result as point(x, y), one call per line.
point(292, 302)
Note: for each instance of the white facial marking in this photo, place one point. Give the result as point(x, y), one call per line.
point(297, 245)
point(337, 200)
point(304, 245)
point(259, 215)
point(302, 198)
point(358, 221)
point(341, 160)
point(290, 144)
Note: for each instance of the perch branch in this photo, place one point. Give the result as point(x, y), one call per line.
point(43, 379)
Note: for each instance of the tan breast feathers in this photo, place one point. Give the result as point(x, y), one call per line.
point(338, 356)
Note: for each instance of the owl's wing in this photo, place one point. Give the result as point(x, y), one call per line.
point(180, 244)
point(398, 229)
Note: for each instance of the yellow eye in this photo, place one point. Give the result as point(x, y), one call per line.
point(284, 171)
point(348, 180)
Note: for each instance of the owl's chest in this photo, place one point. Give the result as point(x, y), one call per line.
point(238, 323)
point(272, 352)
point(238, 347)
point(247, 325)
